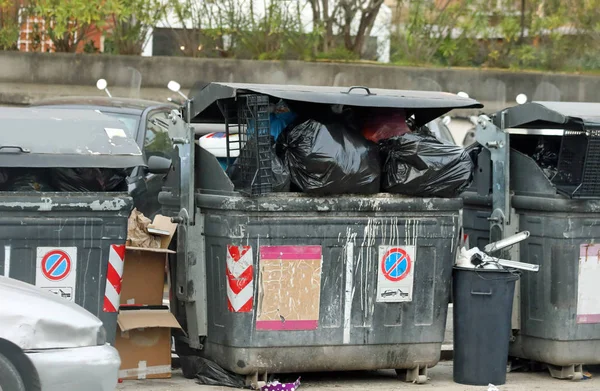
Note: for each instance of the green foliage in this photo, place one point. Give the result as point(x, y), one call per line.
point(339, 53)
point(9, 25)
point(68, 22)
point(132, 24)
point(550, 35)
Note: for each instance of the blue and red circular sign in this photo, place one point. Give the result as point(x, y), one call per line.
point(395, 264)
point(56, 265)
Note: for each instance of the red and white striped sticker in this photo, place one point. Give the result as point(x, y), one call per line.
point(114, 278)
point(240, 278)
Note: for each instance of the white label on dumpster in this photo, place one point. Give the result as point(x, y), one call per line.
point(588, 289)
point(395, 276)
point(56, 270)
point(115, 132)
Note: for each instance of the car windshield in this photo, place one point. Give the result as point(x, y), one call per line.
point(131, 122)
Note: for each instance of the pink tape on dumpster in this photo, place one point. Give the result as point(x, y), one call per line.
point(277, 386)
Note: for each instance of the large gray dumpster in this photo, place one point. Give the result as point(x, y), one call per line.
point(71, 244)
point(286, 282)
point(558, 307)
point(313, 300)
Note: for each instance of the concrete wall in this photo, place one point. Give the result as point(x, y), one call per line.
point(74, 74)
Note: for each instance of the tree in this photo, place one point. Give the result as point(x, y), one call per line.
point(69, 22)
point(131, 26)
point(353, 20)
point(9, 24)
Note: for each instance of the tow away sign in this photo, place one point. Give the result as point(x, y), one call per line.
point(395, 275)
point(56, 270)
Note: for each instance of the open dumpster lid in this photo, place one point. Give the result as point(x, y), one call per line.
point(65, 138)
point(425, 105)
point(551, 115)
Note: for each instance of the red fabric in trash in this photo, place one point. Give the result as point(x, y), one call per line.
point(384, 124)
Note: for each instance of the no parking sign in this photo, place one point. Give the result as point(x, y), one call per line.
point(56, 270)
point(395, 276)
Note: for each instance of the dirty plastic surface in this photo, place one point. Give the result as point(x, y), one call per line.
point(350, 236)
point(91, 222)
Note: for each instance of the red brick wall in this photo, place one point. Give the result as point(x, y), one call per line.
point(33, 36)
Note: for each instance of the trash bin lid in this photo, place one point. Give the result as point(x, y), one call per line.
point(65, 138)
point(551, 115)
point(425, 105)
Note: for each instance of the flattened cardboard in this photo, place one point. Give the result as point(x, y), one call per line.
point(138, 319)
point(144, 343)
point(289, 288)
point(163, 223)
point(143, 277)
point(144, 268)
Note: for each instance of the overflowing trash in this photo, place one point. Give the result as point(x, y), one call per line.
point(330, 158)
point(211, 374)
point(423, 166)
point(336, 149)
point(87, 179)
point(385, 124)
point(546, 156)
point(63, 179)
point(492, 387)
point(277, 386)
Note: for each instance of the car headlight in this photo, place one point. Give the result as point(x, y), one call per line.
point(101, 336)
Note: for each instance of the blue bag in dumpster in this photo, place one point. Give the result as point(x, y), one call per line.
point(418, 165)
point(330, 158)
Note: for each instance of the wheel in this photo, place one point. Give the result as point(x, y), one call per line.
point(10, 379)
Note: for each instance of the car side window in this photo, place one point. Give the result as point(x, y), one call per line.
point(157, 141)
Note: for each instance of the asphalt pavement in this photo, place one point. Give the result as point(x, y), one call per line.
point(440, 379)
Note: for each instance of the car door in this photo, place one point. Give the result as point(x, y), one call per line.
point(156, 142)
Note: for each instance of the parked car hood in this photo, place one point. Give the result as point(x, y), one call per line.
point(32, 318)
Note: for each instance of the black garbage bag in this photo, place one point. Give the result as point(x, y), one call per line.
point(25, 180)
point(423, 166)
point(330, 158)
point(88, 179)
point(279, 175)
point(210, 373)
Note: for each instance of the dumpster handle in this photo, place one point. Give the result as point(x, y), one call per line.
point(481, 293)
point(20, 149)
point(359, 87)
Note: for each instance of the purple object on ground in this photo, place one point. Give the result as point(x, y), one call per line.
point(276, 386)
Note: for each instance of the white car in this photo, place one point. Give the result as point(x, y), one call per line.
point(48, 343)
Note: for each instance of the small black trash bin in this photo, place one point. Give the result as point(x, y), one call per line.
point(483, 300)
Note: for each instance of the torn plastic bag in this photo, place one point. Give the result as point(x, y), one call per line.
point(383, 124)
point(280, 176)
point(330, 158)
point(88, 179)
point(210, 373)
point(424, 166)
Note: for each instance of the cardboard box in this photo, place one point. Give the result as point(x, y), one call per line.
point(144, 343)
point(144, 268)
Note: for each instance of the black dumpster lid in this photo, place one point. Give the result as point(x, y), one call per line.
point(551, 115)
point(65, 138)
point(425, 105)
